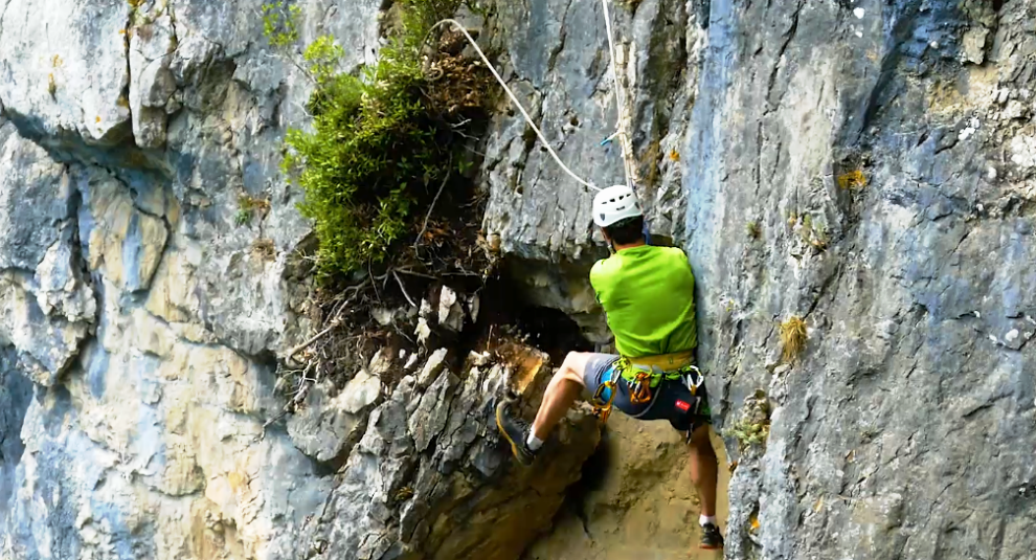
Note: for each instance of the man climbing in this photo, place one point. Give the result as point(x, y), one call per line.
point(648, 296)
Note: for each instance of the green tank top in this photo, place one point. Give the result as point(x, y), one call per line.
point(648, 295)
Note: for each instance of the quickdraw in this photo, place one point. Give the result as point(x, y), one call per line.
point(640, 389)
point(603, 408)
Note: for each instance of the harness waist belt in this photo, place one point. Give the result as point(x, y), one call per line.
point(665, 362)
point(655, 368)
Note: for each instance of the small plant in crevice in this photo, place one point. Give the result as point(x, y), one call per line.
point(752, 429)
point(813, 232)
point(793, 337)
point(630, 5)
point(249, 206)
point(753, 230)
point(264, 249)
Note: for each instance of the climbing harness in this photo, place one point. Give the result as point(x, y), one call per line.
point(624, 118)
point(643, 376)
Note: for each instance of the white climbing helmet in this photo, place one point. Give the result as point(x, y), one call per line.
point(615, 204)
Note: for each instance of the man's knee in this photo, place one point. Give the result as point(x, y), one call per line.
point(573, 367)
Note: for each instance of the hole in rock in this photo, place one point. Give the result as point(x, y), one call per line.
point(505, 312)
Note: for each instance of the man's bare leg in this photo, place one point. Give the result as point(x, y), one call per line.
point(562, 391)
point(705, 476)
point(704, 470)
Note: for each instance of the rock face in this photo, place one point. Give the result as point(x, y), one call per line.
point(426, 482)
point(635, 500)
point(558, 64)
point(905, 429)
point(867, 166)
point(130, 296)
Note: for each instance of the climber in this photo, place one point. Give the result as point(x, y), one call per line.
point(647, 293)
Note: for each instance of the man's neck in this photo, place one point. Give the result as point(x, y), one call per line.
point(619, 247)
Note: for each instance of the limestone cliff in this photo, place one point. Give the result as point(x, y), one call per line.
point(149, 283)
point(867, 166)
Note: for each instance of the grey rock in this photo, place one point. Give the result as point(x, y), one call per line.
point(30, 230)
point(145, 316)
point(327, 427)
point(868, 432)
point(429, 419)
point(47, 307)
point(432, 367)
point(974, 47)
point(73, 84)
point(451, 314)
point(430, 479)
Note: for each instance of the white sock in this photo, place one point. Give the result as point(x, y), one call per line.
point(534, 443)
point(707, 520)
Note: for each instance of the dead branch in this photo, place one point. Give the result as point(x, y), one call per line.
point(409, 272)
point(403, 288)
point(424, 228)
point(336, 320)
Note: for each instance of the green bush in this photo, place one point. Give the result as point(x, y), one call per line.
point(366, 165)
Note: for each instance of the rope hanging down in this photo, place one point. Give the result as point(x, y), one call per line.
point(620, 103)
point(623, 114)
point(517, 103)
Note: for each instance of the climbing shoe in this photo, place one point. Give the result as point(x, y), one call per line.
point(516, 432)
point(711, 539)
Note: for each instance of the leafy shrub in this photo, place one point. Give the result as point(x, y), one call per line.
point(280, 24)
point(375, 145)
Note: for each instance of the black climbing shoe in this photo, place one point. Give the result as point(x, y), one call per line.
point(711, 539)
point(515, 431)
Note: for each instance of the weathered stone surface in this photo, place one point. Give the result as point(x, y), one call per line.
point(429, 419)
point(430, 480)
point(635, 499)
point(123, 243)
point(326, 426)
point(64, 66)
point(46, 306)
point(430, 371)
point(146, 310)
point(130, 295)
point(905, 429)
point(152, 84)
point(30, 230)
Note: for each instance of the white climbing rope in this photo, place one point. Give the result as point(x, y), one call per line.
point(517, 103)
point(620, 103)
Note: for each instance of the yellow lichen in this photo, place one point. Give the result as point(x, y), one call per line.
point(854, 179)
point(793, 337)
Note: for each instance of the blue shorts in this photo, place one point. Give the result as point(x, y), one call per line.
point(671, 399)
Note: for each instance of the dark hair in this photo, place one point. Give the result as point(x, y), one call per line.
point(625, 232)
